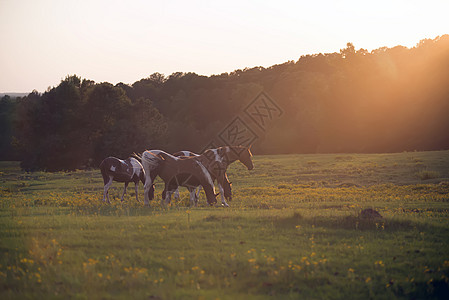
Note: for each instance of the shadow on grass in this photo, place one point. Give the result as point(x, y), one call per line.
point(352, 222)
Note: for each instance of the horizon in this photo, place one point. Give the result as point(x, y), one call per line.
point(49, 40)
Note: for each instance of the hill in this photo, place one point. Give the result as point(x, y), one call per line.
point(13, 95)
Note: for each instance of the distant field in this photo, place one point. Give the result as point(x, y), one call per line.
point(293, 231)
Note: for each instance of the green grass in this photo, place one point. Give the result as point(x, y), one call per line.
point(293, 231)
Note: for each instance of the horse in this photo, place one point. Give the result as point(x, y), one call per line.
point(225, 190)
point(217, 161)
point(176, 171)
point(114, 169)
point(224, 156)
point(154, 173)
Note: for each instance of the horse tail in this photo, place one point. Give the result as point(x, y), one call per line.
point(150, 161)
point(103, 172)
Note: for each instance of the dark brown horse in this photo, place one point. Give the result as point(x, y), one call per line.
point(225, 189)
point(193, 171)
point(114, 169)
point(194, 191)
point(176, 171)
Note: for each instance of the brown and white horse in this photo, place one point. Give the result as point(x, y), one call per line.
point(217, 162)
point(114, 169)
point(176, 171)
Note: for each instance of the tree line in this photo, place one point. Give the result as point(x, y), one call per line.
point(387, 100)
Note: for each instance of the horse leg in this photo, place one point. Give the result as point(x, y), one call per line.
point(168, 195)
point(223, 200)
point(106, 190)
point(192, 196)
point(197, 194)
point(165, 200)
point(147, 187)
point(176, 193)
point(137, 189)
point(124, 190)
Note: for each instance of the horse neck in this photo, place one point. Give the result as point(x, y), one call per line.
point(229, 159)
point(232, 153)
point(208, 157)
point(227, 155)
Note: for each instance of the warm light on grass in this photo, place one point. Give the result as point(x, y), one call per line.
point(297, 233)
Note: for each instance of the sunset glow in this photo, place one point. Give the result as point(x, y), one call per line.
point(124, 41)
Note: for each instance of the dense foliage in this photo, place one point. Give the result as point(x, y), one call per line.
point(78, 123)
point(387, 100)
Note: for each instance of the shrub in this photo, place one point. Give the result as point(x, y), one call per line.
point(426, 174)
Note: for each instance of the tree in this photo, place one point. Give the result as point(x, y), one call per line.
point(8, 108)
point(348, 52)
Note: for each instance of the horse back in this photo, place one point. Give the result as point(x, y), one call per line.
point(121, 171)
point(185, 153)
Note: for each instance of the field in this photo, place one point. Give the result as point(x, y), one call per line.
point(293, 231)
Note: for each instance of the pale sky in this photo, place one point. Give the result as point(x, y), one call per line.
point(43, 41)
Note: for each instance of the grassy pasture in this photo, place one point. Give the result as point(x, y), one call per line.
point(293, 231)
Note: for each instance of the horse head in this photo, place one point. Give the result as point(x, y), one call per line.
point(214, 200)
point(245, 157)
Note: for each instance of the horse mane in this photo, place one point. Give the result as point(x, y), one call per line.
point(137, 156)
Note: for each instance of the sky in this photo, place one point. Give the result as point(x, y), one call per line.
point(43, 41)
